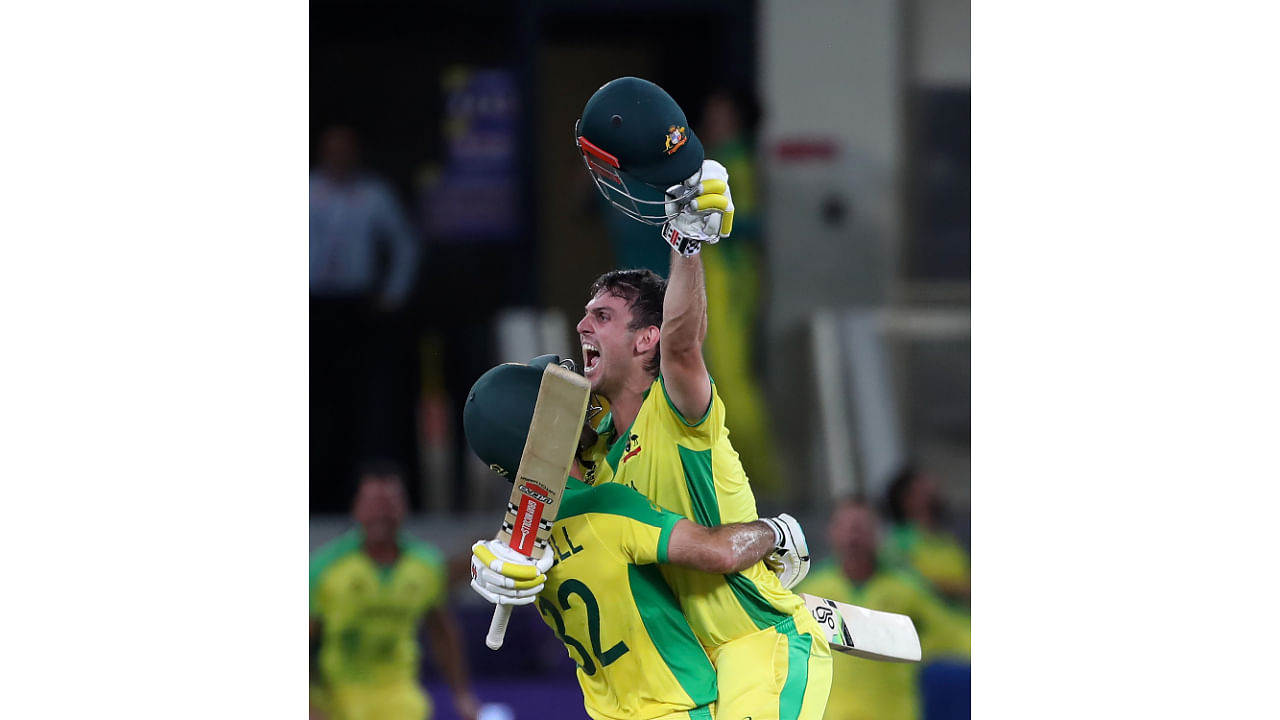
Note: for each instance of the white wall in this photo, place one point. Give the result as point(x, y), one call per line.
point(837, 71)
point(939, 33)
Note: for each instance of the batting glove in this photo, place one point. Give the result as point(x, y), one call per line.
point(505, 577)
point(707, 217)
point(790, 557)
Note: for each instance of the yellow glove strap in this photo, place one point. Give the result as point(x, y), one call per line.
point(527, 576)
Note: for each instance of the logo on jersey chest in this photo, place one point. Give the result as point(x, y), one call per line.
point(632, 449)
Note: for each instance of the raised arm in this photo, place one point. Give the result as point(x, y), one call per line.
point(684, 326)
point(684, 309)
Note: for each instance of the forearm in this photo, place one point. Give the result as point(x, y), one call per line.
point(446, 646)
point(722, 549)
point(684, 308)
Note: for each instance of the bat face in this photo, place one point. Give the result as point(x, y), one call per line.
point(870, 634)
point(547, 459)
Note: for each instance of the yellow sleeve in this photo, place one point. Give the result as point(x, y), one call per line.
point(643, 529)
point(695, 426)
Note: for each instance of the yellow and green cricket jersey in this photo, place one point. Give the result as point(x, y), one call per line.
point(606, 600)
point(689, 467)
point(868, 690)
point(936, 556)
point(370, 613)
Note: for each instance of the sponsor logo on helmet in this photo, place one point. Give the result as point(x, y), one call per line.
point(676, 137)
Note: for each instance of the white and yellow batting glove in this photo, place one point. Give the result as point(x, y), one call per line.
point(790, 557)
point(505, 577)
point(707, 217)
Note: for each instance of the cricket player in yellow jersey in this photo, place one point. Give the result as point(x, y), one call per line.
point(370, 589)
point(865, 689)
point(604, 597)
point(666, 433)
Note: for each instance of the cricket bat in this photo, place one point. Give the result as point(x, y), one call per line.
point(545, 464)
point(869, 634)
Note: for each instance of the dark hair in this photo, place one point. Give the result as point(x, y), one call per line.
point(853, 498)
point(380, 469)
point(744, 100)
point(896, 497)
point(643, 289)
point(897, 494)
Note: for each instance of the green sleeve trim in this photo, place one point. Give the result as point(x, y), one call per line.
point(664, 539)
point(671, 635)
point(791, 700)
point(676, 410)
point(326, 555)
point(701, 484)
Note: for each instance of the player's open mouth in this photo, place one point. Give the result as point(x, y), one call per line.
point(590, 358)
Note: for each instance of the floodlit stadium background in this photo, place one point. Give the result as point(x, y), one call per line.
point(861, 154)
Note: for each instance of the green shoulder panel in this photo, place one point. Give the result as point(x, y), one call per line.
point(421, 551)
point(700, 480)
point(331, 552)
point(616, 499)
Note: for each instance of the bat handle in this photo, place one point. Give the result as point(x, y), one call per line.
point(498, 627)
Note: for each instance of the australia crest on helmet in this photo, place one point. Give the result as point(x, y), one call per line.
point(676, 137)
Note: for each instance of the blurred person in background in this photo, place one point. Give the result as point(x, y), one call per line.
point(354, 217)
point(865, 689)
point(363, 258)
point(918, 539)
point(732, 277)
point(370, 590)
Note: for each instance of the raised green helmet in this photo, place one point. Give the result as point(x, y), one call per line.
point(499, 409)
point(636, 144)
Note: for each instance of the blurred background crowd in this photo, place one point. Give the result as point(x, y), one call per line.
point(453, 227)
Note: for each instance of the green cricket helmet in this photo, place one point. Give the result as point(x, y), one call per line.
point(499, 409)
point(632, 130)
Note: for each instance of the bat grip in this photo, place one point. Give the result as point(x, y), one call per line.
point(498, 627)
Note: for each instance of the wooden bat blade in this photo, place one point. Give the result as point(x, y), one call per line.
point(544, 470)
point(546, 461)
point(870, 634)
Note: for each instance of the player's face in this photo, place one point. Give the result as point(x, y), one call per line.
point(853, 529)
point(920, 497)
point(380, 508)
point(608, 346)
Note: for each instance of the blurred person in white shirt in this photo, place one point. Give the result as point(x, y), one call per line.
point(354, 218)
point(363, 262)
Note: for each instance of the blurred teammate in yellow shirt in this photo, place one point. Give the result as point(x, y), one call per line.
point(370, 589)
point(918, 540)
point(865, 689)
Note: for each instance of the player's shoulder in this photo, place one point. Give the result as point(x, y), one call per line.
point(901, 582)
point(421, 551)
point(658, 407)
point(612, 499)
point(330, 553)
